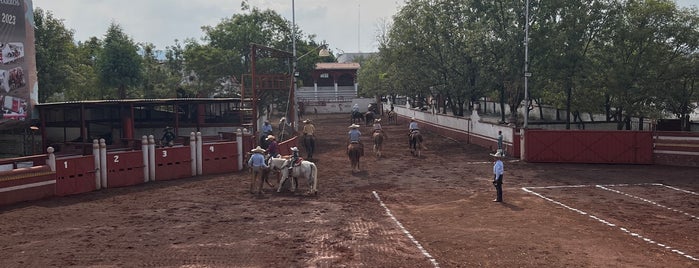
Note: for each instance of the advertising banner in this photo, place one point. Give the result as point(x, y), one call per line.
point(18, 85)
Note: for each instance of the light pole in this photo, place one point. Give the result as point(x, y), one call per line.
point(322, 53)
point(527, 74)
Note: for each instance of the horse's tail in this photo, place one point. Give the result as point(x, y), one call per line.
point(314, 176)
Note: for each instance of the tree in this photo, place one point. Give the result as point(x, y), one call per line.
point(119, 65)
point(54, 46)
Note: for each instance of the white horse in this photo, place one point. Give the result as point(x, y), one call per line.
point(306, 170)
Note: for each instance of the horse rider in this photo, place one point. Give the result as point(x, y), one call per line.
point(413, 129)
point(355, 108)
point(257, 164)
point(294, 157)
point(413, 125)
point(377, 126)
point(273, 146)
point(355, 137)
point(308, 127)
point(168, 138)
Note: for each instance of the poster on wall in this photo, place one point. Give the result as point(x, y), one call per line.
point(18, 85)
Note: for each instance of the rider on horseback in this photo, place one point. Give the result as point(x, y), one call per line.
point(308, 127)
point(273, 146)
point(377, 126)
point(354, 137)
point(294, 157)
point(413, 129)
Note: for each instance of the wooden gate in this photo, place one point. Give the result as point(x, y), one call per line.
point(574, 146)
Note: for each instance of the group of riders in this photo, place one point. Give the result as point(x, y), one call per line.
point(271, 147)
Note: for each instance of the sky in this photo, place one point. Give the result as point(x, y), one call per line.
point(346, 25)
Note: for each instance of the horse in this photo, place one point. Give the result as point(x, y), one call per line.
point(357, 117)
point(415, 143)
point(307, 170)
point(276, 164)
point(391, 117)
point(369, 118)
point(354, 152)
point(309, 143)
point(378, 138)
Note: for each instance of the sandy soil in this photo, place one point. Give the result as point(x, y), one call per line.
point(435, 210)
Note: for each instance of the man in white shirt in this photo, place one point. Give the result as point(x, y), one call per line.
point(498, 170)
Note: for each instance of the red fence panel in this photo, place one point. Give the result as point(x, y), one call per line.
point(124, 168)
point(219, 157)
point(75, 175)
point(572, 146)
point(285, 146)
point(173, 163)
point(26, 184)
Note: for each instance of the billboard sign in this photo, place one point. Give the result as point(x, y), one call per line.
point(18, 83)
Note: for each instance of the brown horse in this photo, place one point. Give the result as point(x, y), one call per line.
point(415, 143)
point(391, 117)
point(354, 151)
point(309, 143)
point(378, 138)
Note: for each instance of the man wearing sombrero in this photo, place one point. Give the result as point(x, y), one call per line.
point(498, 170)
point(355, 137)
point(272, 146)
point(257, 164)
point(308, 127)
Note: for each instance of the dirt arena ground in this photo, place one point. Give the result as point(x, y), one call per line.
point(399, 211)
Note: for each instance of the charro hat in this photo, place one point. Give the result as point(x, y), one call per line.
point(295, 149)
point(271, 137)
point(307, 121)
point(354, 126)
point(377, 120)
point(258, 150)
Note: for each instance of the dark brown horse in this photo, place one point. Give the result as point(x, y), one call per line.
point(391, 117)
point(309, 143)
point(415, 143)
point(378, 138)
point(356, 117)
point(369, 118)
point(354, 151)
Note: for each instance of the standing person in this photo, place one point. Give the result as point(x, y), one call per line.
point(265, 131)
point(273, 146)
point(498, 170)
point(168, 138)
point(284, 128)
point(500, 141)
point(257, 165)
point(355, 108)
point(354, 136)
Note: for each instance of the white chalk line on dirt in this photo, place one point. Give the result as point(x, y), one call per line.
point(627, 231)
point(489, 162)
point(405, 231)
point(648, 201)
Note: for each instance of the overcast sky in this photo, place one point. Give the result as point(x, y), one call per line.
point(346, 25)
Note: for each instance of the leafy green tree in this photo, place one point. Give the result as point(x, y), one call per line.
point(646, 41)
point(85, 84)
point(54, 46)
point(119, 65)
